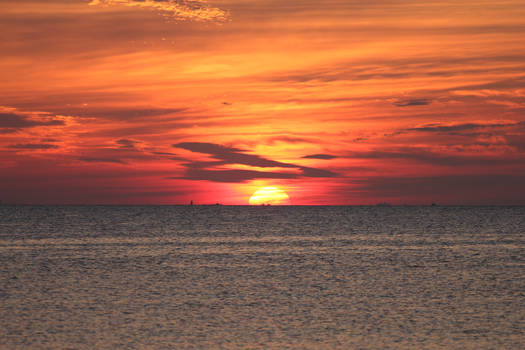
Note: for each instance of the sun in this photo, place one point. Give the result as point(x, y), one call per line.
point(269, 195)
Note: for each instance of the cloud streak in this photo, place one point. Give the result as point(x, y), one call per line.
point(101, 160)
point(412, 102)
point(194, 10)
point(428, 156)
point(320, 156)
point(461, 127)
point(33, 146)
point(16, 121)
point(231, 155)
point(199, 170)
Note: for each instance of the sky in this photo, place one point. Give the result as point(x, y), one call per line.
point(335, 102)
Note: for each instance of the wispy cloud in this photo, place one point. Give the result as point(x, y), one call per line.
point(450, 159)
point(16, 121)
point(125, 143)
point(233, 175)
point(231, 155)
point(289, 139)
point(412, 102)
point(460, 127)
point(320, 156)
point(195, 10)
point(33, 146)
point(117, 114)
point(101, 160)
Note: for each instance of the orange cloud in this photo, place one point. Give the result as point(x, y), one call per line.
point(178, 9)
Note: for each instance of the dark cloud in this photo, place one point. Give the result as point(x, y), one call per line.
point(199, 170)
point(313, 172)
point(474, 130)
point(15, 121)
point(289, 139)
point(503, 84)
point(125, 143)
point(203, 165)
point(45, 140)
point(458, 127)
point(320, 156)
point(164, 153)
point(118, 114)
point(34, 146)
point(178, 159)
point(8, 131)
point(237, 175)
point(430, 67)
point(232, 155)
point(517, 141)
point(151, 128)
point(336, 73)
point(445, 159)
point(234, 175)
point(101, 160)
point(412, 102)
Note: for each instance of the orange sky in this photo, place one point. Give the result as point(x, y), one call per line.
point(335, 102)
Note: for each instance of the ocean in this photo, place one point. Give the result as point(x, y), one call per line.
point(272, 277)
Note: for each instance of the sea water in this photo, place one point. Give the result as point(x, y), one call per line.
point(238, 277)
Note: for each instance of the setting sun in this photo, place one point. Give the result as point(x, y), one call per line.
point(269, 195)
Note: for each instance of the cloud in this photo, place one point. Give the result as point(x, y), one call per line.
point(445, 159)
point(517, 141)
point(33, 146)
point(429, 67)
point(459, 127)
point(125, 143)
point(288, 139)
point(16, 121)
point(232, 155)
point(8, 131)
point(474, 129)
point(199, 170)
point(412, 102)
point(313, 172)
point(233, 175)
point(101, 160)
point(45, 140)
point(320, 156)
point(194, 10)
point(118, 114)
point(503, 84)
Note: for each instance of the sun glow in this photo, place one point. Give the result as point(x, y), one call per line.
point(269, 195)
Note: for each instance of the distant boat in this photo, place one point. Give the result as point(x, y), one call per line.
point(384, 204)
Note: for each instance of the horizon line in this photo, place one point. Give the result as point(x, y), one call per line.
point(379, 205)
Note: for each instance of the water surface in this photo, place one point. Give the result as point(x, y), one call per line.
point(221, 277)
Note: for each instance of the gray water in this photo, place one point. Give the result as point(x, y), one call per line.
point(220, 277)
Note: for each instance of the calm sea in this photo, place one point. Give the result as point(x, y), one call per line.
point(221, 277)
